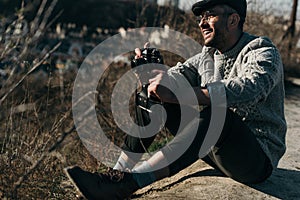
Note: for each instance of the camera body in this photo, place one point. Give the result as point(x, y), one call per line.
point(142, 101)
point(149, 55)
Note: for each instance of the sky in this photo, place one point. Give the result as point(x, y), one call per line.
point(278, 7)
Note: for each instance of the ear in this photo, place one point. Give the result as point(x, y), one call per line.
point(233, 20)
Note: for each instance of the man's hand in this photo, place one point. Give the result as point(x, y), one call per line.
point(138, 52)
point(157, 87)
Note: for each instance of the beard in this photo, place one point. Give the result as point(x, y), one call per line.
point(217, 39)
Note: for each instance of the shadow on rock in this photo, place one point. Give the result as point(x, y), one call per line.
point(283, 184)
point(203, 173)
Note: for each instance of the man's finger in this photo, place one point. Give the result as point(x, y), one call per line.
point(157, 73)
point(157, 77)
point(138, 53)
point(147, 45)
point(152, 90)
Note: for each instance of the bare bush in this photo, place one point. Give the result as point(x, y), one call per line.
point(34, 123)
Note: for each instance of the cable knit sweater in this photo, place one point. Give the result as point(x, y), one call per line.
point(252, 75)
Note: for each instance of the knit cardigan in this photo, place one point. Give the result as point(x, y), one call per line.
point(252, 75)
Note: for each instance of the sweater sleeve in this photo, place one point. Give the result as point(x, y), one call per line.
point(203, 62)
point(257, 74)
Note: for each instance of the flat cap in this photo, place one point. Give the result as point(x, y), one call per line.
point(239, 5)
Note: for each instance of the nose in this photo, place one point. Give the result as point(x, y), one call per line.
point(203, 23)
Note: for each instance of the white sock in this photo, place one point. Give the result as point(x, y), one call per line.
point(142, 168)
point(126, 163)
point(151, 170)
point(156, 162)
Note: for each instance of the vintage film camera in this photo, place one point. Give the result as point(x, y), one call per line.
point(142, 101)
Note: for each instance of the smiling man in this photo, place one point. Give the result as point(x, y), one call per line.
point(249, 69)
point(215, 34)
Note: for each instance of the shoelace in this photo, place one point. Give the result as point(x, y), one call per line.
point(114, 175)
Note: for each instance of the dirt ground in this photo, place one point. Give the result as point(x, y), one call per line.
point(200, 181)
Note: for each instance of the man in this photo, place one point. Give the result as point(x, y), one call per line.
point(252, 141)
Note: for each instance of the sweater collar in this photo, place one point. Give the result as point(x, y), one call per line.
point(233, 53)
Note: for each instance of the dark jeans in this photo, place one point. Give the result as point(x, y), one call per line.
point(237, 153)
